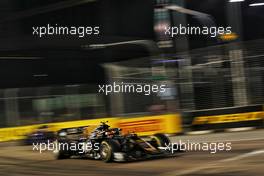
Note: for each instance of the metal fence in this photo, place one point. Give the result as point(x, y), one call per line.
point(25, 106)
point(214, 77)
point(226, 75)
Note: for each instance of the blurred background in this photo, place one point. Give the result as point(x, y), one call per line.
point(56, 78)
point(212, 83)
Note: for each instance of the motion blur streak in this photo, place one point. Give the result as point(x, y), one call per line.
point(59, 60)
point(236, 162)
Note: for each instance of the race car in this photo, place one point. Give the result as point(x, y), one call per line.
point(40, 135)
point(108, 144)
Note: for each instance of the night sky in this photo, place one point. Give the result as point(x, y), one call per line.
point(64, 60)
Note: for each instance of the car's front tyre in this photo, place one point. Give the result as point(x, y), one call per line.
point(160, 140)
point(107, 149)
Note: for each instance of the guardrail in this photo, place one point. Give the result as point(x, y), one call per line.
point(222, 118)
point(212, 119)
point(146, 125)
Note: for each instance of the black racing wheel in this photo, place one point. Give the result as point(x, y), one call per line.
point(61, 153)
point(107, 149)
point(160, 140)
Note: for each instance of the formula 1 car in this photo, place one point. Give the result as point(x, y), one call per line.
point(40, 135)
point(108, 144)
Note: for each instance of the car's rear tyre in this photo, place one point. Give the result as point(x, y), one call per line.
point(107, 149)
point(60, 154)
point(160, 140)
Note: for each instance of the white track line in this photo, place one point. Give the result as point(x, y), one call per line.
point(211, 165)
point(199, 132)
point(239, 129)
point(242, 156)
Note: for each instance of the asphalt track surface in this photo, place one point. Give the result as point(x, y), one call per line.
point(245, 159)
